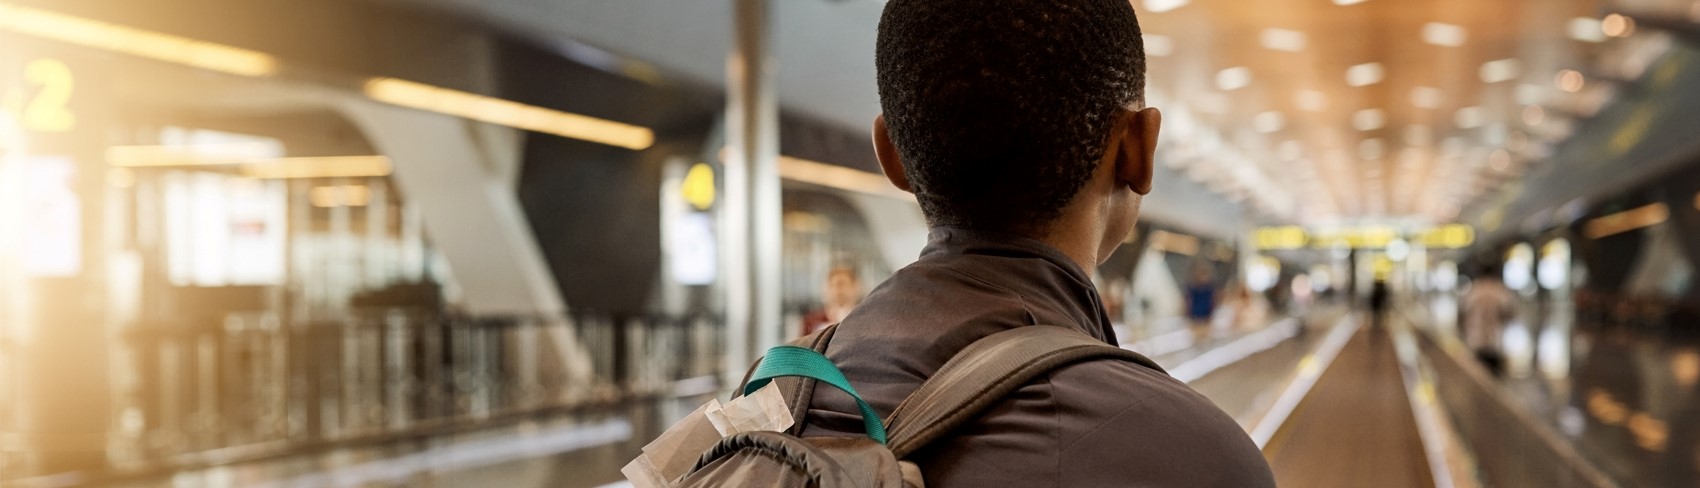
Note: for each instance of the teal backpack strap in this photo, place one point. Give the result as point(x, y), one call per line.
point(783, 361)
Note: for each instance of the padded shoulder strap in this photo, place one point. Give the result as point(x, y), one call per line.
point(983, 373)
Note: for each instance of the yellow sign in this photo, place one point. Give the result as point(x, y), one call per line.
point(1453, 236)
point(698, 187)
point(47, 109)
point(1273, 238)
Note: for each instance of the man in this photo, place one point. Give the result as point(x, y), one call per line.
point(1488, 306)
point(1380, 297)
point(841, 292)
point(1020, 127)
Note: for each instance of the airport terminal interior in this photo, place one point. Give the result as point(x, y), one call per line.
point(364, 243)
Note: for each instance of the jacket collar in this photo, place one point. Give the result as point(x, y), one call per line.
point(1024, 259)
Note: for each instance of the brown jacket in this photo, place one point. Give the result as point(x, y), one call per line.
point(1102, 423)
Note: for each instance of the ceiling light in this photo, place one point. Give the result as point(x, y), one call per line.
point(1586, 29)
point(508, 113)
point(137, 42)
point(1233, 78)
point(1469, 117)
point(1499, 71)
point(319, 167)
point(1310, 100)
point(1156, 45)
point(193, 154)
point(1617, 25)
point(1348, 2)
point(1369, 119)
point(1443, 34)
point(840, 177)
point(1628, 220)
point(1157, 6)
point(1268, 122)
point(1425, 97)
point(1283, 40)
point(1364, 74)
point(1533, 115)
point(1570, 81)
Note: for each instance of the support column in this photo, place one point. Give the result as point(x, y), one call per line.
point(750, 225)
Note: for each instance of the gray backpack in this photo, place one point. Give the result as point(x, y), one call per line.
point(977, 378)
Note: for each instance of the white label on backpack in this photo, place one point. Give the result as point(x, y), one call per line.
point(762, 411)
point(676, 450)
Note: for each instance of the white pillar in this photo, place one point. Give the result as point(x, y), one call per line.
point(750, 221)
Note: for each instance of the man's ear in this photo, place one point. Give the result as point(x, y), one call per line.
point(1136, 161)
point(890, 161)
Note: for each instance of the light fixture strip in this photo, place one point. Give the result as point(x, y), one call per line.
point(1628, 220)
point(136, 42)
point(508, 113)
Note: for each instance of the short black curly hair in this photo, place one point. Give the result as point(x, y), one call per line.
point(1000, 109)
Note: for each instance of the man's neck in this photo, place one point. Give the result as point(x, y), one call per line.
point(1074, 239)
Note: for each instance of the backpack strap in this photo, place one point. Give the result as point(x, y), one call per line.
point(797, 390)
point(983, 373)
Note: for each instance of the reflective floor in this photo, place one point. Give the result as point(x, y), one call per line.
point(1626, 398)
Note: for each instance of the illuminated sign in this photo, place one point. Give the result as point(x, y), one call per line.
point(1452, 236)
point(698, 187)
point(45, 107)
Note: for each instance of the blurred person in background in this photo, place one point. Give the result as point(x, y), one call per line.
point(1488, 306)
point(841, 292)
point(1380, 298)
point(1200, 296)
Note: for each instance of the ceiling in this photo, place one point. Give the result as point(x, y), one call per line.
point(1321, 112)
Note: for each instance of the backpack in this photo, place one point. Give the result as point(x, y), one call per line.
point(974, 380)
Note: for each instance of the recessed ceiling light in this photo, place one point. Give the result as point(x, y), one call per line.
point(1268, 122)
point(1283, 40)
point(1233, 78)
point(1156, 45)
point(1570, 80)
point(1157, 6)
point(1469, 117)
point(1369, 119)
point(1617, 25)
point(1348, 2)
point(1533, 115)
point(1586, 29)
point(1500, 70)
point(1443, 34)
point(1425, 97)
point(1364, 74)
point(1310, 100)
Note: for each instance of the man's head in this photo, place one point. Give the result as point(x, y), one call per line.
point(843, 287)
point(1009, 115)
